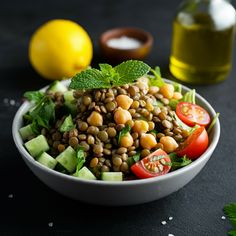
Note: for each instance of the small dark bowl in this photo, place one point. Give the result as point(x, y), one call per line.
point(118, 55)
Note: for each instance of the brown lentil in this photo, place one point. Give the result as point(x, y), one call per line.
point(97, 148)
point(93, 162)
point(144, 153)
point(102, 135)
point(124, 167)
point(56, 136)
point(92, 130)
point(82, 137)
point(84, 145)
point(105, 168)
point(90, 140)
point(73, 133)
point(159, 145)
point(167, 124)
point(117, 161)
point(160, 135)
point(73, 141)
point(82, 125)
point(87, 100)
point(106, 151)
point(61, 147)
point(55, 144)
point(121, 150)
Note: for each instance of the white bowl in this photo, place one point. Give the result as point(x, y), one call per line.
point(116, 193)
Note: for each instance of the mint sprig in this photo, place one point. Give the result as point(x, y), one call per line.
point(108, 76)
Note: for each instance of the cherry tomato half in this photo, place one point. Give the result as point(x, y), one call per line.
point(192, 114)
point(195, 145)
point(155, 164)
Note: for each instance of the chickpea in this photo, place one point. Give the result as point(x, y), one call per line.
point(126, 141)
point(169, 144)
point(140, 126)
point(95, 119)
point(148, 141)
point(167, 90)
point(177, 95)
point(124, 101)
point(153, 90)
point(121, 116)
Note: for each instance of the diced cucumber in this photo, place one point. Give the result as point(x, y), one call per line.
point(112, 176)
point(67, 125)
point(46, 160)
point(37, 146)
point(85, 173)
point(70, 101)
point(57, 86)
point(26, 132)
point(68, 159)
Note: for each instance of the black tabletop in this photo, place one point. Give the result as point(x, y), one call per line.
point(28, 207)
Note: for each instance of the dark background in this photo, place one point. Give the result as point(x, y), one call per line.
point(197, 208)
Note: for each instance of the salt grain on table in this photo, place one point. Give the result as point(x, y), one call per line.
point(50, 224)
point(223, 217)
point(170, 218)
point(10, 196)
point(170, 234)
point(163, 222)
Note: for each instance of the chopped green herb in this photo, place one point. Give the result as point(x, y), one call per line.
point(107, 76)
point(133, 159)
point(173, 103)
point(156, 80)
point(43, 113)
point(80, 159)
point(213, 123)
point(67, 125)
point(34, 96)
point(178, 162)
point(123, 132)
point(230, 211)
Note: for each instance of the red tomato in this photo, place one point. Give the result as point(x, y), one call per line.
point(195, 145)
point(192, 114)
point(155, 164)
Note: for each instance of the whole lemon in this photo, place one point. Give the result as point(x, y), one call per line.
point(60, 48)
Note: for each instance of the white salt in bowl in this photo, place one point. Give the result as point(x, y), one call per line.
point(116, 193)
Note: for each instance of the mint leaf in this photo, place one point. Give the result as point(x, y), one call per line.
point(230, 211)
point(80, 159)
point(107, 76)
point(34, 96)
point(43, 112)
point(129, 71)
point(89, 79)
point(67, 125)
point(123, 132)
point(178, 162)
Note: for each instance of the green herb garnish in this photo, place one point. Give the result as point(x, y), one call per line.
point(156, 80)
point(80, 159)
point(177, 87)
point(123, 132)
point(132, 160)
point(173, 103)
point(42, 113)
point(34, 96)
point(213, 123)
point(108, 76)
point(230, 211)
point(178, 162)
point(67, 125)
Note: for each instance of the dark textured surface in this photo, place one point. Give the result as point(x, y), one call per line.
point(197, 208)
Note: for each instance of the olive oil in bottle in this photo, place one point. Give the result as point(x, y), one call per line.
point(202, 44)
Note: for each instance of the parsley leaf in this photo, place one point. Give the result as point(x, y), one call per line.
point(34, 96)
point(43, 113)
point(232, 233)
point(133, 159)
point(178, 162)
point(80, 159)
point(108, 76)
point(123, 132)
point(177, 87)
point(230, 211)
point(67, 125)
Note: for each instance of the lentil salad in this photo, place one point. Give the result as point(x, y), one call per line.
point(120, 132)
